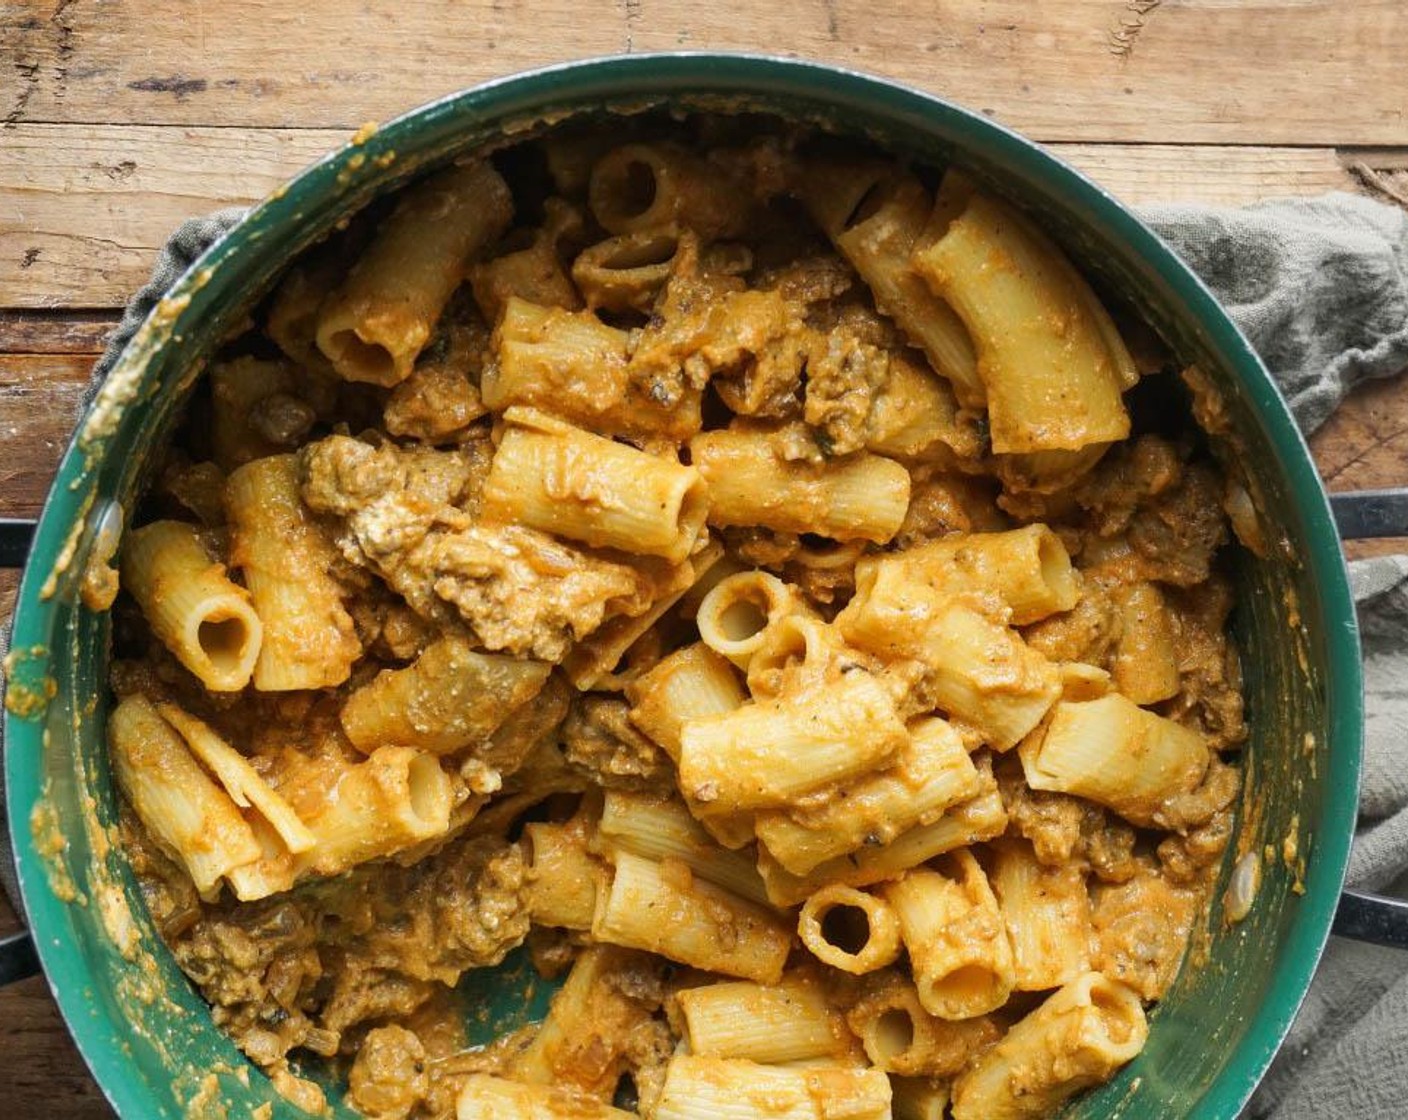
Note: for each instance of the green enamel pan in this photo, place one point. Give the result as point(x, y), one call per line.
point(145, 1033)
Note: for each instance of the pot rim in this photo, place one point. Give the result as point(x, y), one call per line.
point(656, 77)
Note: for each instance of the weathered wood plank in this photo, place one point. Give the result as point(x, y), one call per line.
point(1271, 72)
point(83, 209)
point(9, 588)
point(42, 1067)
point(55, 332)
point(1216, 174)
point(39, 399)
point(1364, 446)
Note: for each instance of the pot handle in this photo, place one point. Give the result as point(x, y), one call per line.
point(1363, 915)
point(17, 956)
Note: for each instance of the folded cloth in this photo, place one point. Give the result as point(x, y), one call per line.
point(1320, 287)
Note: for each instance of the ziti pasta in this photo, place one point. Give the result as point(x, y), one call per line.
point(728, 564)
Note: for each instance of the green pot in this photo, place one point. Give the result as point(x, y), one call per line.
point(147, 1036)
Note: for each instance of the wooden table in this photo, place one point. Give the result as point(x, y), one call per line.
point(122, 118)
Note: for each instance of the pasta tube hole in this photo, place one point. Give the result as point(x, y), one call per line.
point(967, 982)
point(732, 618)
point(637, 189)
point(225, 641)
point(1114, 1009)
point(630, 254)
point(847, 928)
point(372, 361)
point(626, 1096)
point(891, 1036)
point(742, 619)
point(1055, 565)
point(625, 188)
point(425, 782)
point(869, 204)
point(826, 554)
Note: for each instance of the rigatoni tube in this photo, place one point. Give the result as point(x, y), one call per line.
point(664, 908)
point(1115, 753)
point(662, 828)
point(552, 476)
point(647, 186)
point(692, 683)
point(849, 929)
point(1052, 364)
point(242, 782)
point(957, 942)
point(876, 215)
point(563, 876)
point(770, 753)
point(733, 617)
point(1026, 570)
point(918, 1098)
point(577, 366)
point(901, 1037)
point(374, 326)
point(1078, 1038)
point(733, 1089)
point(309, 639)
point(1145, 664)
point(932, 773)
point(450, 697)
point(770, 1023)
point(977, 670)
point(486, 1097)
point(1047, 914)
point(980, 818)
point(859, 497)
point(187, 813)
point(195, 610)
point(396, 798)
point(627, 271)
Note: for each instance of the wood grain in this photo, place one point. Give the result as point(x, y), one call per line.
point(55, 332)
point(1272, 72)
point(1215, 174)
point(39, 399)
point(41, 1066)
point(83, 209)
point(9, 587)
point(1364, 446)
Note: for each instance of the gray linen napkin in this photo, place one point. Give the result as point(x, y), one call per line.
point(1320, 286)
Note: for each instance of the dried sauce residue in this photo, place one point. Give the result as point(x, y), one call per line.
point(25, 697)
point(50, 844)
point(125, 381)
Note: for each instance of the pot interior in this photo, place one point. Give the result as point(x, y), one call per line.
point(146, 1034)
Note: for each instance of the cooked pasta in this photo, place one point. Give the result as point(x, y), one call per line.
point(728, 583)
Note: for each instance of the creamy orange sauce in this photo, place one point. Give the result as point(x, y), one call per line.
point(758, 324)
